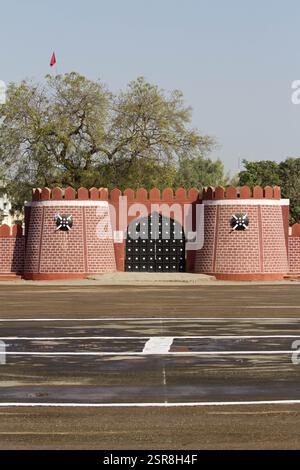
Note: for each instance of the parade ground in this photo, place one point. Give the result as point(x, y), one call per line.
point(196, 366)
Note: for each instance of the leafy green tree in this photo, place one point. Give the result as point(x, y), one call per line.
point(289, 171)
point(285, 174)
point(260, 173)
point(200, 171)
point(73, 131)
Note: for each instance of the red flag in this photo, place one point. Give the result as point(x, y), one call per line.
point(53, 60)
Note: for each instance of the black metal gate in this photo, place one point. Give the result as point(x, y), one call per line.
point(155, 244)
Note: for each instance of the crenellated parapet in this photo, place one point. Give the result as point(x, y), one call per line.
point(155, 195)
point(245, 231)
point(294, 249)
point(12, 249)
point(295, 230)
point(102, 194)
point(242, 192)
point(16, 231)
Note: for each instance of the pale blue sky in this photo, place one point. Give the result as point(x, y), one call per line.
point(234, 60)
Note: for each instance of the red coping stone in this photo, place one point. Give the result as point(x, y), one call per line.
point(296, 230)
point(258, 192)
point(17, 231)
point(115, 194)
point(4, 231)
point(103, 194)
point(204, 193)
point(36, 194)
point(129, 193)
point(193, 195)
point(57, 194)
point(168, 195)
point(45, 194)
point(210, 193)
point(245, 192)
point(141, 195)
point(94, 194)
point(70, 194)
point(154, 194)
point(219, 192)
point(268, 192)
point(231, 192)
point(83, 194)
point(180, 194)
point(277, 192)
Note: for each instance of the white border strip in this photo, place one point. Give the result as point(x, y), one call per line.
point(153, 405)
point(156, 319)
point(64, 203)
point(246, 202)
point(181, 353)
point(53, 338)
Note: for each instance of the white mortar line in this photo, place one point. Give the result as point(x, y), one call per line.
point(153, 405)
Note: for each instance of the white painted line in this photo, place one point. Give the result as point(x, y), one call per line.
point(153, 319)
point(180, 353)
point(273, 306)
point(153, 405)
point(246, 202)
point(158, 345)
point(53, 338)
point(66, 203)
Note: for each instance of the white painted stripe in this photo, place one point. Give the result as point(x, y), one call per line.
point(155, 319)
point(180, 353)
point(64, 203)
point(273, 306)
point(153, 405)
point(246, 202)
point(53, 338)
point(158, 345)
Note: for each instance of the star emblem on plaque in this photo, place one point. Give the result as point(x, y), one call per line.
point(64, 222)
point(239, 222)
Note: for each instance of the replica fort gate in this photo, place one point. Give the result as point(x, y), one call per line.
point(239, 233)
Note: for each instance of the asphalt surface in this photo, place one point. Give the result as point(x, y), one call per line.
point(102, 367)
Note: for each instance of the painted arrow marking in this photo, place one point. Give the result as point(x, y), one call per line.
point(158, 345)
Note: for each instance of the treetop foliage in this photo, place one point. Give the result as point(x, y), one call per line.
point(73, 131)
point(270, 173)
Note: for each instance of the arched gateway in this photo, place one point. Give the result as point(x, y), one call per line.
point(155, 244)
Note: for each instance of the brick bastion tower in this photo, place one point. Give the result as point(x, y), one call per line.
point(245, 234)
point(54, 250)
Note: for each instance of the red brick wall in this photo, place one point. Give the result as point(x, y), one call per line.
point(275, 256)
point(204, 259)
point(100, 252)
point(52, 253)
point(11, 250)
point(294, 249)
point(257, 253)
point(62, 252)
point(237, 252)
